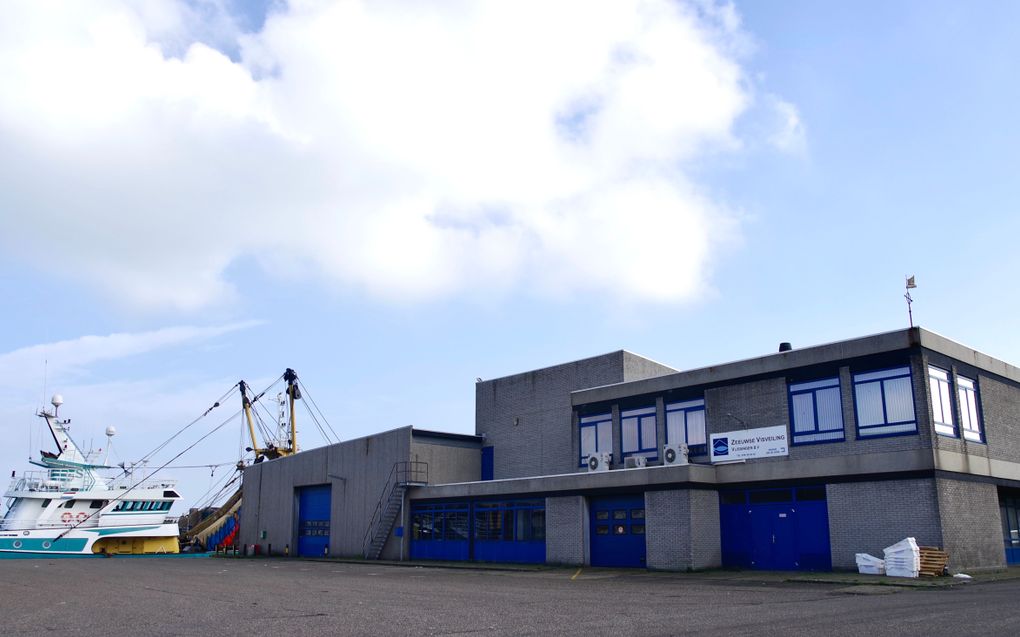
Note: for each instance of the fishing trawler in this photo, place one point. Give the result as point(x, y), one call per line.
point(68, 509)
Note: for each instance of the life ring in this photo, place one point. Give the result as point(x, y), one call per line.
point(82, 516)
point(65, 517)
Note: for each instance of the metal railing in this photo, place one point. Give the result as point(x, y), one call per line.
point(78, 481)
point(403, 473)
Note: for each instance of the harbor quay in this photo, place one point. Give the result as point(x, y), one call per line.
point(256, 596)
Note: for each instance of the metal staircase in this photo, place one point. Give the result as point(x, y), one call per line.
point(403, 475)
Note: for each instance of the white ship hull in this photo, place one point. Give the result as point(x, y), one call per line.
point(95, 541)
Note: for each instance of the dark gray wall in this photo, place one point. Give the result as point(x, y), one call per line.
point(971, 524)
point(566, 530)
point(448, 463)
point(682, 532)
point(527, 417)
point(866, 517)
point(357, 470)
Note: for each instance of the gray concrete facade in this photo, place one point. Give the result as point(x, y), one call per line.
point(527, 417)
point(941, 490)
point(357, 471)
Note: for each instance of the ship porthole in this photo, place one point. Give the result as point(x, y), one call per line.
point(24, 532)
point(46, 544)
point(17, 544)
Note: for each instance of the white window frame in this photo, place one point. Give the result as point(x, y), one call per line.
point(970, 416)
point(940, 386)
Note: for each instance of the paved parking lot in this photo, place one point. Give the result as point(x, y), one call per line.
point(198, 596)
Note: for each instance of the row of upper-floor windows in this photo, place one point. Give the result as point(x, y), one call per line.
point(141, 505)
point(883, 403)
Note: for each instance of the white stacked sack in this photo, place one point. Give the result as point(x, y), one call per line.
point(870, 565)
point(903, 559)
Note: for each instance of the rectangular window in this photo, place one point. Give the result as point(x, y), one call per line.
point(941, 405)
point(816, 412)
point(637, 429)
point(685, 423)
point(970, 419)
point(596, 436)
point(885, 403)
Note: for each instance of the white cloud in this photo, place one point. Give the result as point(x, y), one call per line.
point(788, 133)
point(145, 411)
point(64, 360)
point(411, 150)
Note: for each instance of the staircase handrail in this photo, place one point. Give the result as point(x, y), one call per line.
point(403, 472)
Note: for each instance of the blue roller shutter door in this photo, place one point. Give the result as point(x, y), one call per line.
point(618, 531)
point(313, 520)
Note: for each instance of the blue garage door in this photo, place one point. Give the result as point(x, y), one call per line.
point(313, 520)
point(618, 531)
point(775, 529)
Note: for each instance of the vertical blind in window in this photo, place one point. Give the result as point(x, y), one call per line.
point(884, 402)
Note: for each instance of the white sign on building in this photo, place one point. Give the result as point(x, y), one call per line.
point(746, 444)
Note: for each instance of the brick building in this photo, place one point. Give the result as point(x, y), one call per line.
point(794, 460)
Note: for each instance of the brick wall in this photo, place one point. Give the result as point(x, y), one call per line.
point(527, 417)
point(971, 524)
point(566, 528)
point(668, 530)
point(682, 531)
point(706, 547)
point(1000, 414)
point(866, 517)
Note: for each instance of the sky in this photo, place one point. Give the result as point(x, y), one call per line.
point(396, 198)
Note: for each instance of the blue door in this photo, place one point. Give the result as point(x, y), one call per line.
point(775, 529)
point(618, 531)
point(313, 520)
point(773, 538)
point(488, 468)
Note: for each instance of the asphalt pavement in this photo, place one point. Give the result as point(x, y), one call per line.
point(217, 596)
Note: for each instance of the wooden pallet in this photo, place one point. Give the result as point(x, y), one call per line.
point(933, 561)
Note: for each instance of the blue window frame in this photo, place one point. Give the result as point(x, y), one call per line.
point(816, 412)
point(884, 403)
point(941, 403)
point(637, 433)
point(596, 436)
point(440, 522)
point(970, 418)
point(685, 423)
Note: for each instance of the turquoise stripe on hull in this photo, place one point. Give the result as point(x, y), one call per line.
point(36, 544)
point(23, 555)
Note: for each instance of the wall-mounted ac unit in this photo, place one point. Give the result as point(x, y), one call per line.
point(599, 461)
point(674, 454)
point(635, 462)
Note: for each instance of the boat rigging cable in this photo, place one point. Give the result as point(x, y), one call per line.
point(168, 462)
point(336, 438)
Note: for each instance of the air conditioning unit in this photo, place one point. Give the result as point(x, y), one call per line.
point(599, 461)
point(674, 454)
point(635, 462)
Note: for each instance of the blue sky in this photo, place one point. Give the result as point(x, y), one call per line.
point(382, 199)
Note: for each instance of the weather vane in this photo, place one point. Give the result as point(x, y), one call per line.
point(910, 285)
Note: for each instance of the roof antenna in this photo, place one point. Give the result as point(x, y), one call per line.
point(910, 286)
